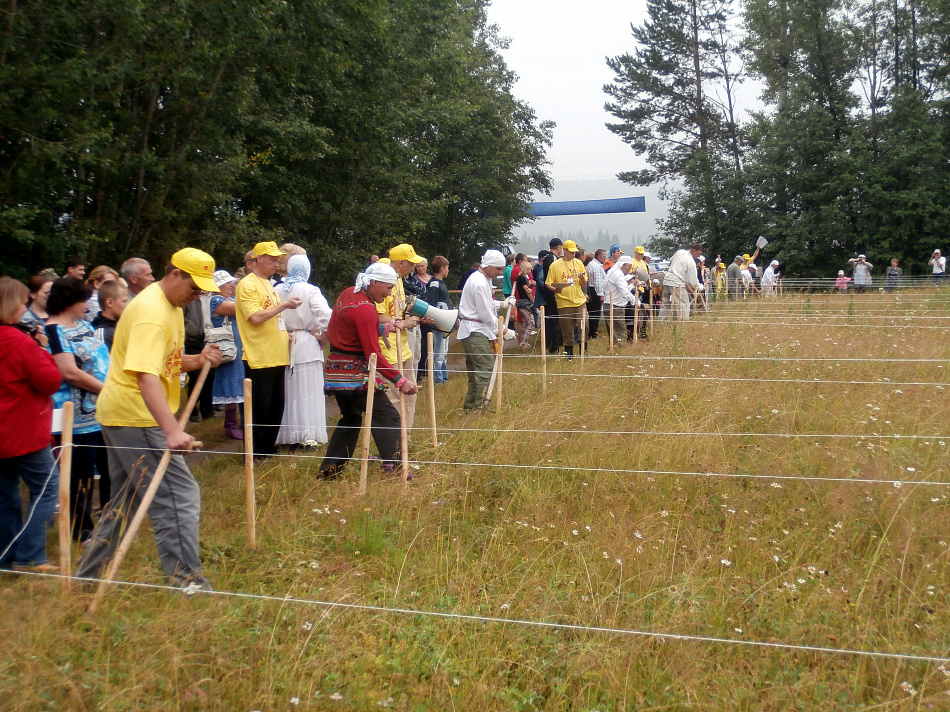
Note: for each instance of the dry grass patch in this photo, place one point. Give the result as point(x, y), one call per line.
point(611, 531)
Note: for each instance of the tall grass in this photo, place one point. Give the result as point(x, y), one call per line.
point(571, 536)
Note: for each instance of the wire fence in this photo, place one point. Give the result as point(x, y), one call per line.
point(773, 480)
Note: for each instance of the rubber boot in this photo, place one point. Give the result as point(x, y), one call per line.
point(231, 428)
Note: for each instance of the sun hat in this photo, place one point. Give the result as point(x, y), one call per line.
point(404, 252)
point(222, 277)
point(200, 265)
point(266, 248)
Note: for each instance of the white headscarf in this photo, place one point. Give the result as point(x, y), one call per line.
point(376, 272)
point(298, 270)
point(493, 258)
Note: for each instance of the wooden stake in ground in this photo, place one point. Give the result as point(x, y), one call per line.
point(583, 330)
point(611, 330)
point(636, 315)
point(149, 495)
point(250, 497)
point(403, 427)
point(430, 341)
point(65, 476)
point(496, 371)
point(502, 322)
point(544, 354)
point(367, 423)
point(652, 309)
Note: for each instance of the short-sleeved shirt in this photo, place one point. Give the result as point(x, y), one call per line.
point(522, 289)
point(563, 272)
point(266, 344)
point(148, 339)
point(92, 357)
point(391, 306)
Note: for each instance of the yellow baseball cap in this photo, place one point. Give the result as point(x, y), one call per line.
point(639, 248)
point(385, 260)
point(200, 265)
point(404, 252)
point(571, 246)
point(266, 248)
point(746, 257)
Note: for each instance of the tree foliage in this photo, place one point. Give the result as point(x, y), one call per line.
point(850, 155)
point(344, 125)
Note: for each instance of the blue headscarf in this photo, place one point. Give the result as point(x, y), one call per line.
point(298, 270)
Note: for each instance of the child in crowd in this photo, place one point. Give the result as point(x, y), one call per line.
point(841, 284)
point(113, 297)
point(893, 276)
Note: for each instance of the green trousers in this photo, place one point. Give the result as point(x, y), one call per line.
point(479, 362)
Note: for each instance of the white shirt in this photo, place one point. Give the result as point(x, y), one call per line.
point(768, 278)
point(940, 265)
point(618, 289)
point(312, 315)
point(478, 310)
point(682, 270)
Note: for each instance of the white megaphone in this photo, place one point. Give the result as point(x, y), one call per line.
point(445, 319)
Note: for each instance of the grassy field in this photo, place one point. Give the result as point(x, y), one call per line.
point(759, 505)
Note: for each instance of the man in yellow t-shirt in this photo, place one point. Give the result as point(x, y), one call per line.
point(401, 258)
point(567, 278)
point(265, 343)
point(136, 409)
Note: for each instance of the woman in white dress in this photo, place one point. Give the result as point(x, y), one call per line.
point(305, 409)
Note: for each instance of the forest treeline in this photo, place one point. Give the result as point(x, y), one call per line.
point(850, 152)
point(347, 126)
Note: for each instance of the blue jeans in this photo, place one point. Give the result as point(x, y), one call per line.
point(41, 476)
point(440, 342)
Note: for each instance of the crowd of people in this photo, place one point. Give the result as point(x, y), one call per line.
point(117, 345)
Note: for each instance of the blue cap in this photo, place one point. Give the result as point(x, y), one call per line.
point(614, 248)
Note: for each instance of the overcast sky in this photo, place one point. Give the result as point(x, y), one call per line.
point(558, 48)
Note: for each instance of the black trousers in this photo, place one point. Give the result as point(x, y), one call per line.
point(594, 307)
point(89, 457)
point(345, 436)
point(552, 326)
point(267, 394)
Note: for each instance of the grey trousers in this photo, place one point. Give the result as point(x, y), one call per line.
point(174, 512)
point(675, 304)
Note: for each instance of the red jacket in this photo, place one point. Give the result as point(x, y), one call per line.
point(28, 377)
point(354, 328)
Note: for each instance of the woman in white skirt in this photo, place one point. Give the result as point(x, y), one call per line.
point(305, 410)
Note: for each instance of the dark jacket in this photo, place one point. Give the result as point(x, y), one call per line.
point(105, 329)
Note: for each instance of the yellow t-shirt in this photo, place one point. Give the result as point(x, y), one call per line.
point(267, 344)
point(388, 307)
point(563, 272)
point(148, 339)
